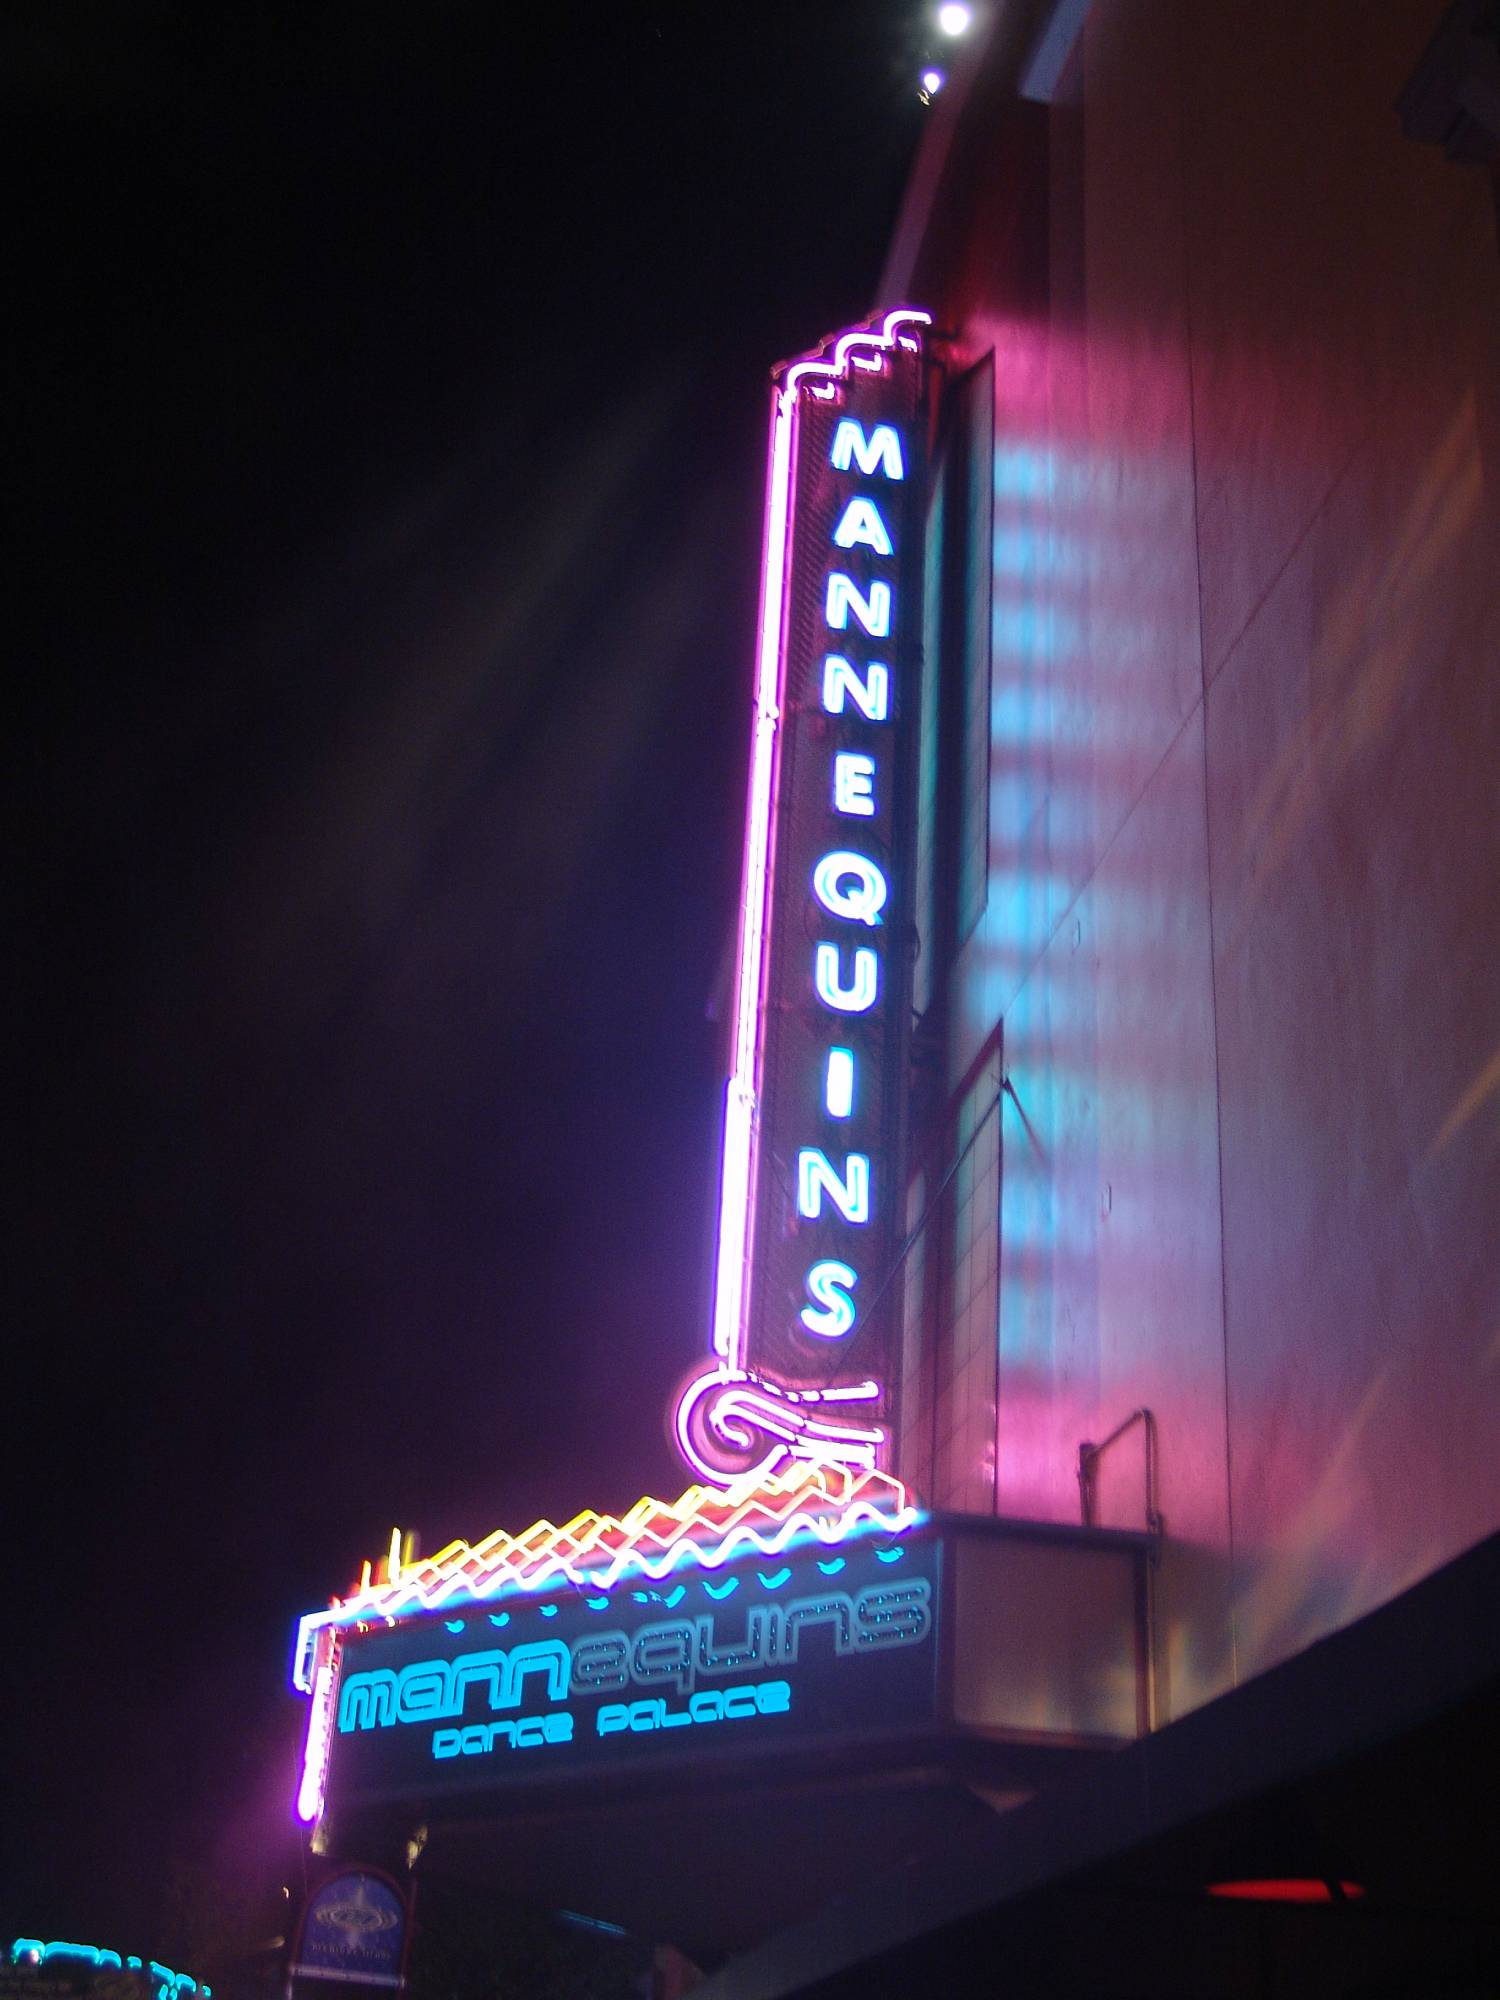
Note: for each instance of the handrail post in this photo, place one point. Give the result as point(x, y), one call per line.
point(1089, 1455)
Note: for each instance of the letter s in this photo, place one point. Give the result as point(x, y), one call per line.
point(894, 1614)
point(832, 1315)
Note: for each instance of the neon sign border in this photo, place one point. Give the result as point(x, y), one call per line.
point(744, 1389)
point(705, 1529)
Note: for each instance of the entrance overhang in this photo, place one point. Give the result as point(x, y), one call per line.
point(714, 1753)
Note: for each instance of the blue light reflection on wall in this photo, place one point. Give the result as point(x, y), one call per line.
point(1087, 950)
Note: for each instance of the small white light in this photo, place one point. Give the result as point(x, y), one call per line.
point(954, 18)
point(932, 82)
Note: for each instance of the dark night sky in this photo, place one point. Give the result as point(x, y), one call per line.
point(387, 413)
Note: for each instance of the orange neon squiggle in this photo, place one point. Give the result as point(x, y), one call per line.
point(705, 1528)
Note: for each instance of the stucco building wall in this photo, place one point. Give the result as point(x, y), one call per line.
point(1238, 942)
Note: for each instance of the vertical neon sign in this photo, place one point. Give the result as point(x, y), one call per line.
point(808, 1194)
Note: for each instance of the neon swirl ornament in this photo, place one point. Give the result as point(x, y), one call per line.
point(732, 1421)
point(728, 1417)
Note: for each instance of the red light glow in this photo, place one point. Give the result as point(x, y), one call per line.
point(1287, 1889)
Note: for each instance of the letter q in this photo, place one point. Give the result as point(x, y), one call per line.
point(848, 885)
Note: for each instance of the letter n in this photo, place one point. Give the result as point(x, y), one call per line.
point(872, 612)
point(849, 1192)
point(871, 696)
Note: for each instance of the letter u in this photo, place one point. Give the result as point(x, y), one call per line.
point(859, 996)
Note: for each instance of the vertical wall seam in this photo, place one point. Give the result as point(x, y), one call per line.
point(1208, 856)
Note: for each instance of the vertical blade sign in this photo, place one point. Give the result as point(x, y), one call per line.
point(803, 1307)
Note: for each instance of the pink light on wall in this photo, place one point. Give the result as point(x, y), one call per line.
point(731, 1403)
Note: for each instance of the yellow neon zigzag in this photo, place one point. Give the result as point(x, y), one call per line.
point(703, 1528)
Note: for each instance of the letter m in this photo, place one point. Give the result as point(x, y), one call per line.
point(880, 452)
point(368, 1701)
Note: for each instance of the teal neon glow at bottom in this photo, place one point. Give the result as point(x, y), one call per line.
point(168, 1985)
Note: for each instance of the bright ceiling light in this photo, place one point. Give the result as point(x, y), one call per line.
point(953, 17)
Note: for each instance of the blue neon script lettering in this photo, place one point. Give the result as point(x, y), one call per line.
point(862, 527)
point(637, 1718)
point(429, 1689)
point(480, 1739)
point(675, 1654)
point(736, 1704)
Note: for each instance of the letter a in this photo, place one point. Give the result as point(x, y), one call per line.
point(862, 524)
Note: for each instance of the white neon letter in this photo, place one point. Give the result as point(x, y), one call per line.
point(859, 996)
point(872, 695)
point(833, 1315)
point(854, 784)
point(838, 1083)
point(849, 1191)
point(880, 452)
point(862, 523)
point(861, 904)
point(845, 595)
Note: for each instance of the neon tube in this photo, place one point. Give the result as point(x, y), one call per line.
point(312, 1791)
point(866, 350)
point(817, 1497)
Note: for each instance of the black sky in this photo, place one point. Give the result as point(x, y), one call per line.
point(387, 410)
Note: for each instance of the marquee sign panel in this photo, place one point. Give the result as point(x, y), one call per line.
point(818, 1647)
point(803, 1308)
